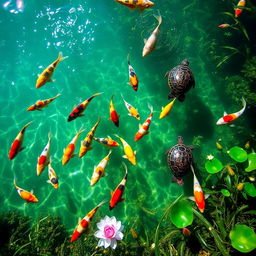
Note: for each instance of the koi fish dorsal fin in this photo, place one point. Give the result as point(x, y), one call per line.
point(225, 113)
point(192, 198)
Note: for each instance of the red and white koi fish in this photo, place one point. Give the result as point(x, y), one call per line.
point(198, 193)
point(132, 110)
point(133, 79)
point(128, 152)
point(48, 72)
point(228, 118)
point(79, 109)
point(42, 103)
point(24, 194)
point(44, 159)
point(16, 146)
point(225, 25)
point(69, 150)
point(114, 117)
point(83, 224)
point(238, 10)
point(100, 169)
point(150, 43)
point(53, 179)
point(116, 196)
point(144, 129)
point(136, 4)
point(107, 141)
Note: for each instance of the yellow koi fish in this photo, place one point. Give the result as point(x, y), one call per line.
point(48, 72)
point(87, 142)
point(132, 110)
point(129, 153)
point(99, 170)
point(53, 179)
point(166, 110)
point(42, 103)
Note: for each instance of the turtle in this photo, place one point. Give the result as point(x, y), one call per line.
point(179, 159)
point(180, 80)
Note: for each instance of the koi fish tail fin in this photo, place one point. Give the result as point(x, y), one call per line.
point(122, 97)
point(192, 169)
point(112, 97)
point(95, 95)
point(49, 135)
point(126, 170)
point(150, 108)
point(243, 102)
point(80, 131)
point(101, 203)
point(24, 128)
point(14, 183)
point(61, 58)
point(128, 58)
point(58, 95)
point(159, 18)
point(118, 136)
point(109, 153)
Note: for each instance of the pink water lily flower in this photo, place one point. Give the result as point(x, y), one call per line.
point(109, 232)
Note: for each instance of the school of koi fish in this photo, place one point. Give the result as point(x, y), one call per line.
point(44, 160)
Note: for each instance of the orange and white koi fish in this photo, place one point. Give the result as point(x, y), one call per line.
point(107, 141)
point(79, 109)
point(100, 169)
point(87, 142)
point(225, 25)
point(166, 110)
point(53, 179)
point(238, 10)
point(83, 224)
point(48, 72)
point(44, 159)
point(133, 79)
point(24, 194)
point(150, 43)
point(128, 152)
point(136, 4)
point(198, 193)
point(42, 103)
point(143, 129)
point(69, 150)
point(228, 118)
point(16, 146)
point(114, 117)
point(116, 196)
point(132, 110)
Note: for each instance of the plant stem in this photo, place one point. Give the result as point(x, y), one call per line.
point(217, 239)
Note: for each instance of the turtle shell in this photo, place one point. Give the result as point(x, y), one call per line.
point(180, 80)
point(179, 159)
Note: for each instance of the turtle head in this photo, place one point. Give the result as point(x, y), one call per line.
point(180, 140)
point(185, 62)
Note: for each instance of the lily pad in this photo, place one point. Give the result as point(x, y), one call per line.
point(238, 154)
point(251, 162)
point(182, 214)
point(250, 189)
point(213, 166)
point(225, 192)
point(243, 238)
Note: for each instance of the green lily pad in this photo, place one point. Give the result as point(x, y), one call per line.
point(225, 192)
point(250, 189)
point(251, 162)
point(243, 238)
point(213, 166)
point(182, 214)
point(238, 154)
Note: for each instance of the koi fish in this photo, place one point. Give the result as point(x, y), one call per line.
point(87, 142)
point(24, 194)
point(134, 82)
point(132, 110)
point(228, 118)
point(79, 109)
point(136, 4)
point(99, 170)
point(116, 196)
point(107, 142)
point(83, 224)
point(43, 160)
point(114, 117)
point(143, 129)
point(237, 10)
point(166, 110)
point(224, 25)
point(42, 103)
point(46, 75)
point(69, 150)
point(53, 179)
point(150, 43)
point(128, 152)
point(16, 146)
point(198, 193)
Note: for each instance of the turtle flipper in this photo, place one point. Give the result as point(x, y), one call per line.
point(170, 96)
point(181, 97)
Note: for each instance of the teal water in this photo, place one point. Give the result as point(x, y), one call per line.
point(97, 38)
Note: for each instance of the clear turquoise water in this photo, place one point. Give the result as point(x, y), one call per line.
point(97, 38)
